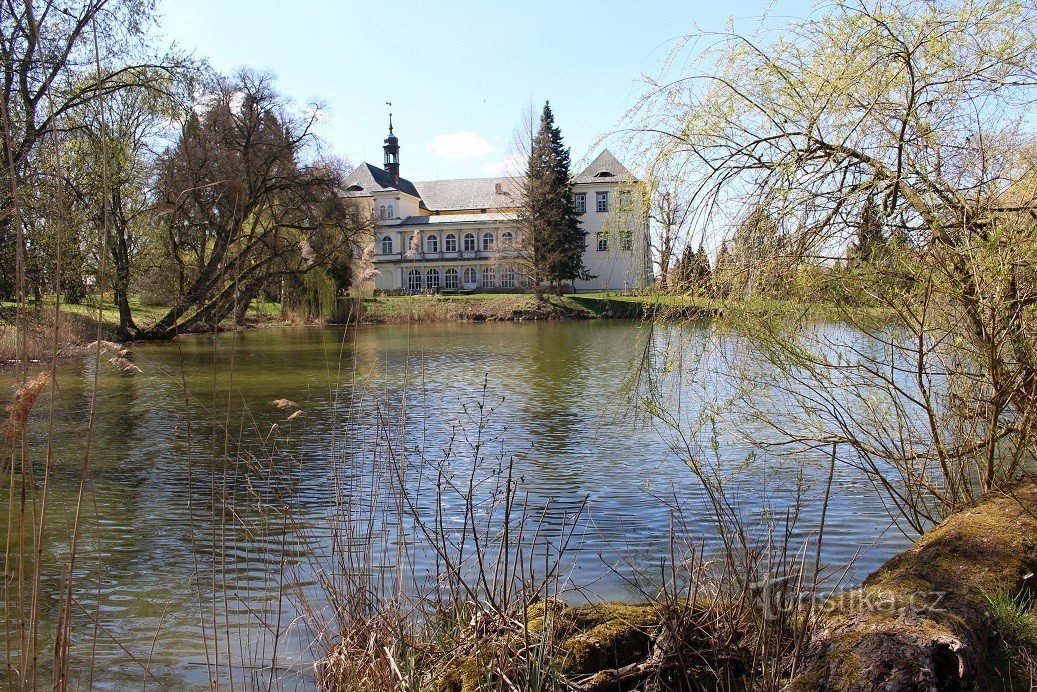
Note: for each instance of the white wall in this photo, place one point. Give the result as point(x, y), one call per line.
point(614, 269)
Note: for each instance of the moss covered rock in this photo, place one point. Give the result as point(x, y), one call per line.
point(573, 641)
point(607, 635)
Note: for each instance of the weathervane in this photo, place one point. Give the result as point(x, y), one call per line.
point(389, 104)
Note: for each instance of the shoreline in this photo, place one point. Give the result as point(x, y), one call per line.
point(78, 327)
point(936, 616)
point(520, 308)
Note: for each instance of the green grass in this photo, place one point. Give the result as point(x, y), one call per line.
point(142, 314)
point(1015, 619)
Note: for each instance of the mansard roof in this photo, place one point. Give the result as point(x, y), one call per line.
point(471, 193)
point(371, 179)
point(605, 168)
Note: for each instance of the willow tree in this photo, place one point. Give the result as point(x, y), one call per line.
point(241, 208)
point(920, 115)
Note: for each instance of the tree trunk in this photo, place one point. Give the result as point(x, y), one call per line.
point(923, 622)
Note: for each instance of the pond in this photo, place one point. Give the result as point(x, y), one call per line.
point(208, 507)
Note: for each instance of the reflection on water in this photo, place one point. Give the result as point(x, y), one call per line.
point(198, 486)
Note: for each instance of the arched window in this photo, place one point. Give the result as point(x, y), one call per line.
point(507, 239)
point(487, 242)
point(469, 242)
point(414, 280)
point(387, 245)
point(450, 277)
point(489, 277)
point(507, 278)
point(391, 216)
point(381, 212)
point(471, 277)
point(450, 243)
point(432, 280)
point(432, 243)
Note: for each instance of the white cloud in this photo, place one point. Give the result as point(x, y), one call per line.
point(459, 145)
point(513, 164)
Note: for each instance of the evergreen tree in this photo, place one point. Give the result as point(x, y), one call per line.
point(552, 233)
point(686, 274)
point(721, 271)
point(702, 269)
point(870, 244)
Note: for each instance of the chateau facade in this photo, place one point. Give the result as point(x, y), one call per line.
point(448, 235)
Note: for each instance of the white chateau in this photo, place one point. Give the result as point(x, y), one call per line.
point(448, 235)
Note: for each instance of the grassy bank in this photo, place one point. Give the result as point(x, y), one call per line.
point(78, 324)
point(503, 307)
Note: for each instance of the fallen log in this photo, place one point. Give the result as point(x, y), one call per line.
point(923, 621)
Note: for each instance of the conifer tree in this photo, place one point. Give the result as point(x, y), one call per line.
point(686, 275)
point(869, 246)
point(702, 270)
point(553, 237)
point(721, 271)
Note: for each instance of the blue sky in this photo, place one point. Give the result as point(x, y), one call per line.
point(459, 74)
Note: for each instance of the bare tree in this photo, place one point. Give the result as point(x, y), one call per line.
point(240, 206)
point(47, 54)
point(670, 214)
point(109, 169)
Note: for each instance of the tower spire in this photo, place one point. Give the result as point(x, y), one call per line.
point(392, 151)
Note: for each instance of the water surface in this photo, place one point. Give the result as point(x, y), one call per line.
point(198, 486)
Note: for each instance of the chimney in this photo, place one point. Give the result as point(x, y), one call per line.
point(498, 189)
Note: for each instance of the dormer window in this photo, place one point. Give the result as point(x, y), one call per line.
point(355, 188)
point(381, 212)
point(604, 174)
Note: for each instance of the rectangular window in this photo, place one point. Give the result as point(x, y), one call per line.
point(603, 201)
point(580, 202)
point(603, 241)
point(626, 240)
point(624, 200)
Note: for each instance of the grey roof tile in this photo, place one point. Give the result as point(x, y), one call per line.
point(373, 179)
point(474, 193)
point(471, 193)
